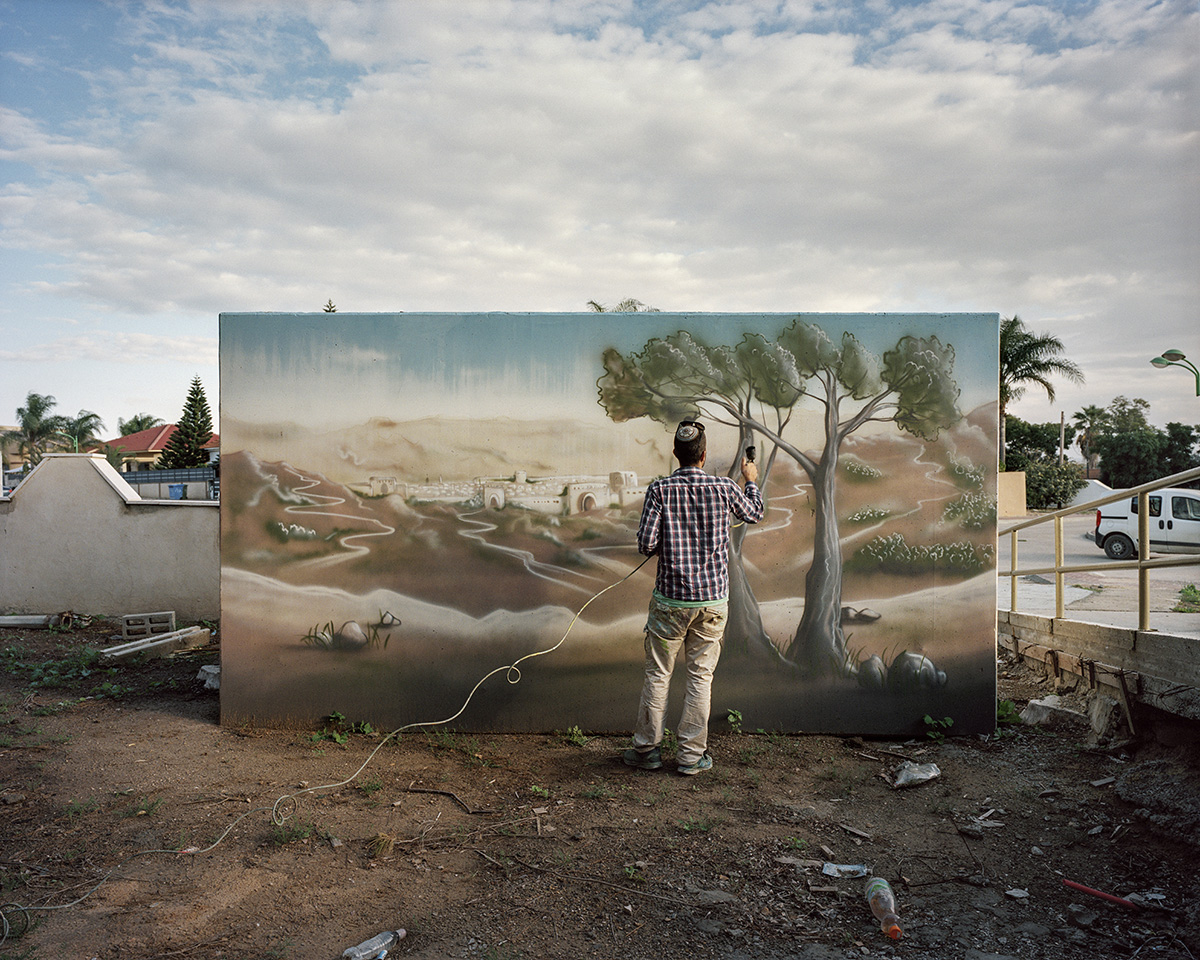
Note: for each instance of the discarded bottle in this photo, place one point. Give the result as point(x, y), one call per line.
point(377, 945)
point(883, 905)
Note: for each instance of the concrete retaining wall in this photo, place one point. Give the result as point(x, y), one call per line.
point(75, 536)
point(1136, 667)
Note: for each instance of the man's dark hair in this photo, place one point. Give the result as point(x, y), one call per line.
point(690, 444)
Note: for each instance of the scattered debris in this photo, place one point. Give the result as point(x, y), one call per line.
point(844, 870)
point(210, 673)
point(909, 774)
point(1017, 893)
point(1098, 893)
point(135, 625)
point(161, 644)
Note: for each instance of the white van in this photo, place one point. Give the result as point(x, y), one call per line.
point(1174, 524)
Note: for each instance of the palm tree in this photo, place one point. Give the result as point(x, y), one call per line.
point(1027, 357)
point(83, 428)
point(628, 305)
point(1090, 421)
point(36, 427)
point(137, 423)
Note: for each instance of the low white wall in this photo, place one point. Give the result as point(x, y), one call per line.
point(1095, 490)
point(75, 536)
point(1010, 494)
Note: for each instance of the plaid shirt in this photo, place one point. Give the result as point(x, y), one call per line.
point(685, 520)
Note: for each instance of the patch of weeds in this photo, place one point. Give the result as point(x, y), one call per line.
point(285, 833)
point(1189, 600)
point(575, 737)
point(696, 824)
point(77, 808)
point(795, 843)
point(934, 727)
point(633, 873)
point(1007, 712)
point(66, 673)
point(670, 743)
point(469, 747)
point(145, 807)
point(370, 787)
point(734, 717)
point(334, 730)
point(381, 845)
point(539, 791)
point(597, 791)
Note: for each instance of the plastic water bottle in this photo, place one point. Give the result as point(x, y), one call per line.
point(883, 905)
point(377, 945)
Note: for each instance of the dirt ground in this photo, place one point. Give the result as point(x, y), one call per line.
point(132, 825)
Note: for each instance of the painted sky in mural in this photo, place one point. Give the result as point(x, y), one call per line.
point(452, 365)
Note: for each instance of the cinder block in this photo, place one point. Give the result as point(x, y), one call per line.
point(137, 625)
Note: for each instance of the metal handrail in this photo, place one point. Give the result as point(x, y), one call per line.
point(1142, 564)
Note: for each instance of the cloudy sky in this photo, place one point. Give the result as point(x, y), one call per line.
point(165, 161)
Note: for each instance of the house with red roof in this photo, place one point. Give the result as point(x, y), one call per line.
point(141, 450)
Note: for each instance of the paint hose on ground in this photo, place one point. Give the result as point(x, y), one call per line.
point(15, 917)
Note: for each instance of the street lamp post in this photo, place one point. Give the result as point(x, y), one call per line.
point(1177, 358)
point(74, 440)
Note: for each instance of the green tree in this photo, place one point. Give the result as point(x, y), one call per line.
point(1028, 443)
point(1090, 422)
point(186, 446)
point(754, 387)
point(36, 427)
point(1029, 358)
point(137, 423)
point(1048, 485)
point(1180, 450)
point(83, 428)
point(1130, 448)
point(330, 306)
point(1124, 415)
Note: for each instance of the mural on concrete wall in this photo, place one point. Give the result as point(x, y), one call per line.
point(409, 501)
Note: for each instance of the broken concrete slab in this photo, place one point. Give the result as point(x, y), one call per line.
point(161, 645)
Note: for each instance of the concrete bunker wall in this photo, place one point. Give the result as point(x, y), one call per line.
point(75, 536)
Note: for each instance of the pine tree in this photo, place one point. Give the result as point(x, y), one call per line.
point(186, 446)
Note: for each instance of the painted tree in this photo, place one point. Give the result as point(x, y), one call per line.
point(194, 430)
point(36, 427)
point(755, 386)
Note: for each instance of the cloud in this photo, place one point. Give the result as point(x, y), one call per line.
point(120, 348)
point(954, 154)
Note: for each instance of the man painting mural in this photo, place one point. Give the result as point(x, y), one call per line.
point(685, 522)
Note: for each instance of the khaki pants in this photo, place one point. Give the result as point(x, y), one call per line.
point(698, 632)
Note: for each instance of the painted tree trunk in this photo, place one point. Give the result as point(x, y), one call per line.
point(819, 646)
point(744, 631)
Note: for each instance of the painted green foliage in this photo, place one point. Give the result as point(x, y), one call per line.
point(755, 386)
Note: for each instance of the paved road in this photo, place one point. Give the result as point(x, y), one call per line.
point(1099, 596)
